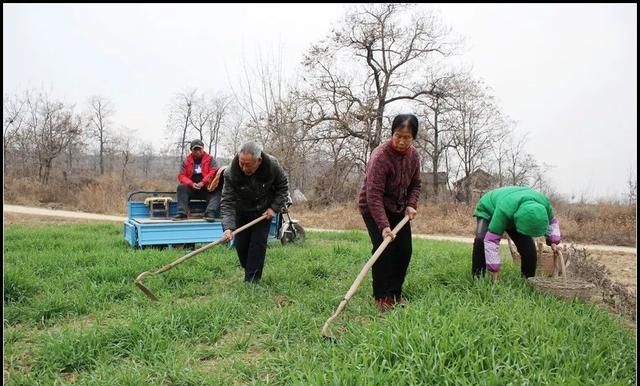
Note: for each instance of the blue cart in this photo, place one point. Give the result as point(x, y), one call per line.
point(149, 223)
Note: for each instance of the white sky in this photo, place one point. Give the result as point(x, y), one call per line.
point(566, 73)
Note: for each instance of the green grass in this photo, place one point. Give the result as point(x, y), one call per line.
point(73, 315)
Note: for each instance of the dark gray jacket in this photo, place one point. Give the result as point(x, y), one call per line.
point(266, 188)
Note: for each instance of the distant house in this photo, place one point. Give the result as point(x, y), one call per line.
point(427, 183)
point(479, 183)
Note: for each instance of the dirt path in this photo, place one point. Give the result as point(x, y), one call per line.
point(25, 210)
point(591, 247)
point(59, 213)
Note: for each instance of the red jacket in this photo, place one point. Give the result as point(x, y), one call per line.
point(209, 168)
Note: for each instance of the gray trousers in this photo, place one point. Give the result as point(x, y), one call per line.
point(186, 193)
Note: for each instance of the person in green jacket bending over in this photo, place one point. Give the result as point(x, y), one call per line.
point(523, 213)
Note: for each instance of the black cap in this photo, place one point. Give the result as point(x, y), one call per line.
point(196, 143)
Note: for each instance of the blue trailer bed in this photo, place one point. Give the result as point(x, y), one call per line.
point(149, 223)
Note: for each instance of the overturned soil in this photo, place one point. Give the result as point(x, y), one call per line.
point(621, 268)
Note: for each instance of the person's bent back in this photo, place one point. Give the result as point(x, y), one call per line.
point(523, 213)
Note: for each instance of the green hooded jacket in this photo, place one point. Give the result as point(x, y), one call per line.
point(519, 207)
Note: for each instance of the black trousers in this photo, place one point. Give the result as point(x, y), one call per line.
point(524, 244)
point(185, 193)
point(389, 271)
point(251, 245)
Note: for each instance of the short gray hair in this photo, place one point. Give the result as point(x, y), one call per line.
point(252, 148)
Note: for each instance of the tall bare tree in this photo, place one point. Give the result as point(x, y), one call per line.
point(49, 128)
point(438, 127)
point(14, 113)
point(219, 109)
point(201, 115)
point(632, 187)
point(500, 150)
point(99, 123)
point(146, 155)
point(235, 137)
point(540, 178)
point(475, 120)
point(180, 118)
point(272, 107)
point(380, 46)
point(125, 145)
point(521, 166)
point(73, 150)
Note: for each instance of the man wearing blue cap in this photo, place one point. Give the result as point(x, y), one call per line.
point(523, 213)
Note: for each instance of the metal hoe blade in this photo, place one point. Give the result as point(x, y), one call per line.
point(146, 291)
point(150, 295)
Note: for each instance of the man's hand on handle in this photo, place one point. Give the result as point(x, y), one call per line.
point(269, 213)
point(227, 235)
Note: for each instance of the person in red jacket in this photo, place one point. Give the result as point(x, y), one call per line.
point(197, 171)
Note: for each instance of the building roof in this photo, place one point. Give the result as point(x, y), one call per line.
point(427, 177)
point(477, 173)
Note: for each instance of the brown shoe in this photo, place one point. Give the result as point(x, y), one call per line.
point(385, 304)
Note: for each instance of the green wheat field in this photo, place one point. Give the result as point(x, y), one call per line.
point(72, 315)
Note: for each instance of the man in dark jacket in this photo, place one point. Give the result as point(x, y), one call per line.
point(197, 171)
point(254, 185)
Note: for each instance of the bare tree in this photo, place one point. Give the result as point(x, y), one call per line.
point(146, 154)
point(219, 109)
point(180, 118)
point(50, 127)
point(74, 148)
point(540, 179)
point(201, 115)
point(475, 120)
point(438, 127)
point(273, 109)
point(125, 145)
point(331, 186)
point(235, 138)
point(521, 166)
point(632, 187)
point(14, 113)
point(500, 149)
point(383, 49)
point(99, 125)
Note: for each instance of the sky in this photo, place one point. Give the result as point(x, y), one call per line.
point(566, 73)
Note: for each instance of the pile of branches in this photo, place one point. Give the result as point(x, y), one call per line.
point(616, 296)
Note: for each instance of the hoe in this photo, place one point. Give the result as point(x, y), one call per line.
point(361, 275)
point(150, 295)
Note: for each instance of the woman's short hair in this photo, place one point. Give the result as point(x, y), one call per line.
point(400, 120)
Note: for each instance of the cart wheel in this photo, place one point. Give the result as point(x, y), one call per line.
point(290, 237)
